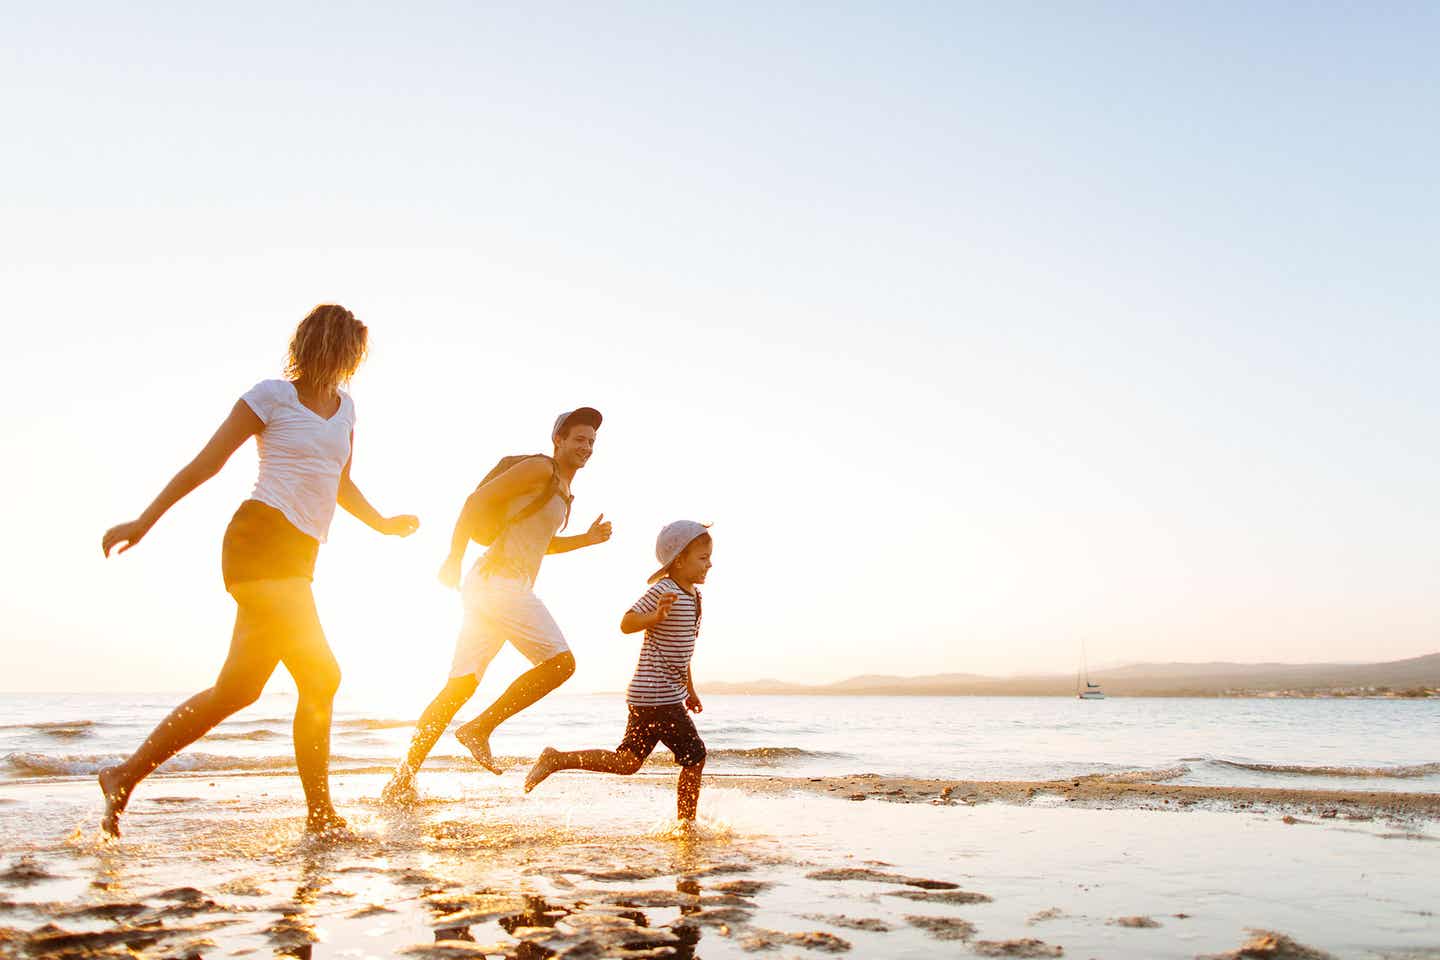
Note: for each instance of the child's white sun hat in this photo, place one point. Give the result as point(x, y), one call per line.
point(673, 539)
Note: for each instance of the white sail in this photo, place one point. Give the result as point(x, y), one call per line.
point(1090, 691)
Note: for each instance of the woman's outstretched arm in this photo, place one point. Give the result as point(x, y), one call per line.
point(354, 503)
point(239, 426)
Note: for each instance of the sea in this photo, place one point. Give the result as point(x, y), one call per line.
point(1342, 744)
point(213, 859)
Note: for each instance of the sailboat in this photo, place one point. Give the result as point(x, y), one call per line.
point(1090, 691)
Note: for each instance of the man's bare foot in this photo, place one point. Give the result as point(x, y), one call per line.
point(400, 791)
point(544, 766)
point(116, 795)
point(327, 826)
point(479, 747)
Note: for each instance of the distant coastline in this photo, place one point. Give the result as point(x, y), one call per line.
point(1414, 678)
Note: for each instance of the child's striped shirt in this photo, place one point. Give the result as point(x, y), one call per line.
point(660, 676)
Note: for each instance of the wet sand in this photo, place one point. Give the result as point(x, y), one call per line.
point(592, 866)
point(1129, 791)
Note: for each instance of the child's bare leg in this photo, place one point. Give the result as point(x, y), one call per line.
point(529, 687)
point(551, 761)
point(687, 791)
point(432, 724)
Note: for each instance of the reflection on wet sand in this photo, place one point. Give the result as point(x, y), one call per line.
point(293, 932)
point(548, 928)
point(593, 876)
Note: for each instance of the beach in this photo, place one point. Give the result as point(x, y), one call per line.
point(980, 442)
point(595, 866)
point(819, 834)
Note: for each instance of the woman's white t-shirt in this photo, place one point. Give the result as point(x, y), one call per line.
point(301, 455)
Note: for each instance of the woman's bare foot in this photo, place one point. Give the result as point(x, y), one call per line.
point(327, 826)
point(400, 791)
point(544, 766)
point(479, 747)
point(116, 795)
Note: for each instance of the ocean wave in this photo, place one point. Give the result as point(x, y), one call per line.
point(367, 723)
point(26, 765)
point(248, 735)
point(773, 753)
point(1147, 776)
point(66, 731)
point(1411, 772)
point(59, 729)
point(42, 725)
point(759, 756)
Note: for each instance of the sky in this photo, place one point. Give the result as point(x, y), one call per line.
point(978, 332)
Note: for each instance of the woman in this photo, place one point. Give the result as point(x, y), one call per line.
point(304, 427)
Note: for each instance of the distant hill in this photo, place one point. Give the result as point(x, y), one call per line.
point(1412, 677)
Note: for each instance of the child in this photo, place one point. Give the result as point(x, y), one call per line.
point(662, 689)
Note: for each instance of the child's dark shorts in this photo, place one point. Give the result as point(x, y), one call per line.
point(669, 724)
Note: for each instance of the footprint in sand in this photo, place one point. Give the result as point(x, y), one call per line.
point(24, 872)
point(1275, 946)
point(762, 939)
point(1028, 947)
point(954, 897)
point(744, 888)
point(943, 928)
point(870, 924)
point(860, 873)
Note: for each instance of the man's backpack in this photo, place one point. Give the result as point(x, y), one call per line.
point(491, 520)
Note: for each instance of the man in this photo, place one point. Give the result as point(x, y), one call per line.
point(530, 503)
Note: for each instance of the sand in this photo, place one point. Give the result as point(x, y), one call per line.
point(591, 866)
point(1103, 792)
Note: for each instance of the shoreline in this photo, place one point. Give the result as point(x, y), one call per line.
point(1098, 791)
point(1092, 791)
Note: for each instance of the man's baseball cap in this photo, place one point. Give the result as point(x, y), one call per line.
point(673, 540)
point(580, 416)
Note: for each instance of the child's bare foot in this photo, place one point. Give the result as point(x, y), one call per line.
point(116, 796)
point(544, 766)
point(400, 791)
point(479, 746)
